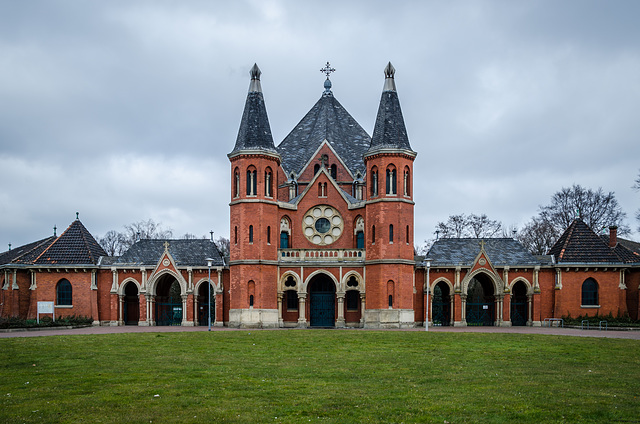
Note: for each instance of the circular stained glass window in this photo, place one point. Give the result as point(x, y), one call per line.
point(323, 225)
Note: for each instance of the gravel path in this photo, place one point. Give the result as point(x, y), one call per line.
point(632, 334)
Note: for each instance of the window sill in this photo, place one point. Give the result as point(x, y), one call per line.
point(590, 306)
point(63, 306)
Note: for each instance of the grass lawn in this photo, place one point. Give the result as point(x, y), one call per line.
point(319, 376)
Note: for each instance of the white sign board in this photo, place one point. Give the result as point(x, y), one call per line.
point(45, 308)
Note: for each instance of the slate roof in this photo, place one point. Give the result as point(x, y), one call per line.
point(389, 131)
point(27, 253)
point(184, 253)
point(255, 131)
point(76, 246)
point(463, 251)
point(580, 244)
point(327, 120)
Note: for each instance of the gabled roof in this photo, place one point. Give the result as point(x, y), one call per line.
point(184, 252)
point(327, 120)
point(27, 253)
point(580, 244)
point(76, 246)
point(463, 252)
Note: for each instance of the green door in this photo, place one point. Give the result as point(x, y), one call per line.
point(322, 309)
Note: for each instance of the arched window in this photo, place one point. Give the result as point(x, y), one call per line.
point(268, 183)
point(390, 233)
point(268, 235)
point(316, 168)
point(250, 233)
point(235, 233)
point(374, 182)
point(251, 300)
point(334, 171)
point(63, 293)
point(407, 238)
point(373, 234)
point(391, 181)
point(407, 182)
point(251, 289)
point(252, 181)
point(236, 182)
point(390, 290)
point(284, 240)
point(360, 240)
point(589, 292)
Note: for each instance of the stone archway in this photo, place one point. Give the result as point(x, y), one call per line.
point(481, 304)
point(519, 304)
point(169, 304)
point(441, 305)
point(131, 304)
point(322, 301)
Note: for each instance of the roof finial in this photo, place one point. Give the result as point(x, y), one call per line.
point(166, 246)
point(389, 82)
point(77, 216)
point(54, 231)
point(255, 79)
point(327, 71)
point(9, 246)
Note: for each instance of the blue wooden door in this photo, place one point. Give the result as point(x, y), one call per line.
point(322, 309)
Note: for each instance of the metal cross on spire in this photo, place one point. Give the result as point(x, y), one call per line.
point(327, 70)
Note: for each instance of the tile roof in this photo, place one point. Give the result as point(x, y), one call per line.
point(184, 253)
point(627, 250)
point(76, 246)
point(463, 251)
point(580, 244)
point(255, 131)
point(389, 130)
point(327, 120)
point(27, 253)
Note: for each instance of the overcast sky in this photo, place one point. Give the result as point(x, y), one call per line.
point(125, 110)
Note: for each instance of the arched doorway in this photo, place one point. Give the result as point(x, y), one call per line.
point(168, 301)
point(441, 305)
point(519, 304)
point(131, 306)
point(480, 301)
point(322, 301)
point(203, 305)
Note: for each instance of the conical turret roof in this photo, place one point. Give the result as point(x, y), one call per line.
point(389, 131)
point(255, 132)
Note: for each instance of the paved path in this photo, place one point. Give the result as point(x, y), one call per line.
point(516, 330)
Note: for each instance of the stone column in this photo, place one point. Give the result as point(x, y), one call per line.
point(302, 320)
point(363, 306)
point(529, 309)
point(463, 310)
point(184, 322)
point(340, 320)
point(120, 309)
point(280, 320)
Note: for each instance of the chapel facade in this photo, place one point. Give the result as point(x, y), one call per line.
point(322, 235)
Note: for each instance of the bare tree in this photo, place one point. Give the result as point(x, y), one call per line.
point(537, 236)
point(116, 243)
point(482, 226)
point(189, 236)
point(223, 245)
point(111, 242)
point(597, 209)
point(462, 225)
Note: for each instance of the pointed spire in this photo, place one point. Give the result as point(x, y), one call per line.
point(255, 73)
point(389, 131)
point(255, 132)
point(389, 82)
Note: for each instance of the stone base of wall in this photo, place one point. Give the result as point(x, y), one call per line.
point(389, 318)
point(253, 318)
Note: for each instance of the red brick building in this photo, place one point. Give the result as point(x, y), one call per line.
point(321, 234)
